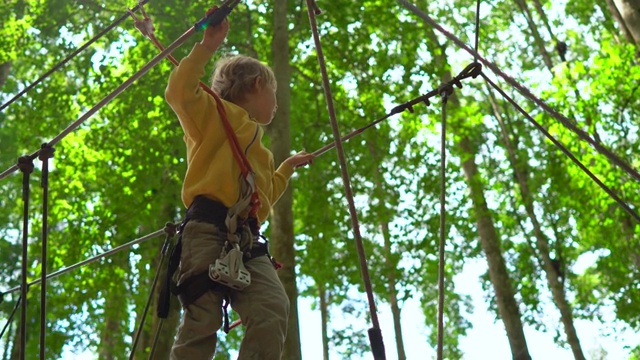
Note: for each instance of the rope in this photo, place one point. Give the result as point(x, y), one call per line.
point(471, 71)
point(70, 56)
point(443, 197)
point(375, 335)
point(10, 319)
point(170, 230)
point(25, 165)
point(475, 58)
point(46, 153)
point(613, 158)
point(562, 148)
point(155, 339)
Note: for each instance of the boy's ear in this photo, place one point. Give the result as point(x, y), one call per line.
point(258, 83)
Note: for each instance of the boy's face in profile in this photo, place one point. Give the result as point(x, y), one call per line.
point(266, 104)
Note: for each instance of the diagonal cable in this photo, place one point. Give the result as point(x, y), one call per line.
point(213, 18)
point(91, 259)
point(10, 319)
point(170, 230)
point(70, 56)
point(566, 151)
point(583, 135)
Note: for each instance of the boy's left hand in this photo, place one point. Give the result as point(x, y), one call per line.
point(215, 35)
point(300, 159)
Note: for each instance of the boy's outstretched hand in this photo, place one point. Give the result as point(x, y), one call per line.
point(300, 159)
point(215, 35)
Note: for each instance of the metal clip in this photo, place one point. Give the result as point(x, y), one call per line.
point(230, 271)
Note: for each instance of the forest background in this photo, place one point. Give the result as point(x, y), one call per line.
point(552, 247)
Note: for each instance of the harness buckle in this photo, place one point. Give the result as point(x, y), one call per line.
point(229, 270)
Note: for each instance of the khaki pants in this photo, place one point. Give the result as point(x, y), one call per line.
point(263, 306)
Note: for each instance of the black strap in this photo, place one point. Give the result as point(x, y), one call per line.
point(168, 287)
point(225, 305)
point(192, 288)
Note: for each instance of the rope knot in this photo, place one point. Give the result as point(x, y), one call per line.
point(314, 5)
point(446, 89)
point(170, 228)
point(46, 152)
point(25, 164)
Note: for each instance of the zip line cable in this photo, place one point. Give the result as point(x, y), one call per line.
point(212, 19)
point(71, 56)
point(10, 319)
point(471, 71)
point(170, 230)
point(477, 32)
point(613, 158)
point(441, 242)
point(92, 259)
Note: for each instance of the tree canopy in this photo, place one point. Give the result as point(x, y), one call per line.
point(555, 244)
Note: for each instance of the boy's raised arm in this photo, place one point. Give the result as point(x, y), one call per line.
point(183, 93)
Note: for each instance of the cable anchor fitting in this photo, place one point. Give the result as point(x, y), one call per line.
point(145, 26)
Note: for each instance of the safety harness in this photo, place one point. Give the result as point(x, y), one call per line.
point(227, 273)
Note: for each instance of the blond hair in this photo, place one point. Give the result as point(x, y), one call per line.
point(235, 76)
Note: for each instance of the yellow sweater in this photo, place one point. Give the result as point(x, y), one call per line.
point(212, 170)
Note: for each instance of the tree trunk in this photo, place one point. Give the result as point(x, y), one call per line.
point(629, 11)
point(5, 68)
point(505, 294)
point(543, 16)
point(6, 351)
point(535, 33)
point(390, 264)
point(169, 325)
point(282, 218)
point(542, 243)
point(112, 343)
point(15, 349)
point(393, 293)
point(324, 318)
point(108, 338)
point(618, 18)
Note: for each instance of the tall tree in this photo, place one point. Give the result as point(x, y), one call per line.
point(627, 13)
point(280, 136)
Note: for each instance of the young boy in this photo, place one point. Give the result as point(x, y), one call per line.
point(213, 184)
